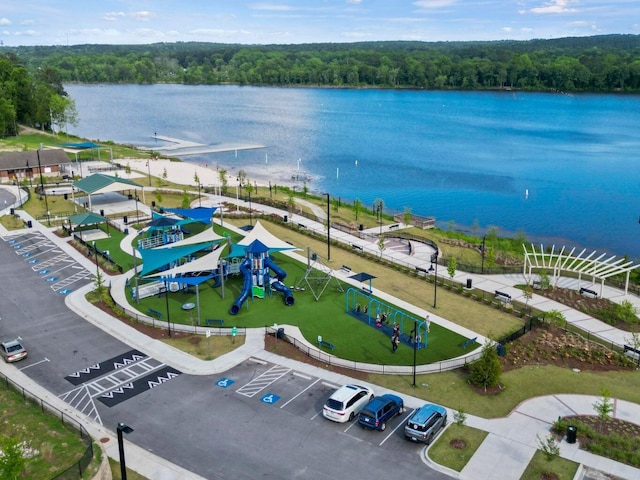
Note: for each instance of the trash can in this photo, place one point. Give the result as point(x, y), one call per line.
point(572, 434)
point(361, 227)
point(29, 224)
point(500, 349)
point(280, 333)
point(126, 231)
point(285, 219)
point(469, 282)
point(125, 219)
point(102, 213)
point(12, 211)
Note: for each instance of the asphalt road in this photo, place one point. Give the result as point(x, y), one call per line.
point(255, 421)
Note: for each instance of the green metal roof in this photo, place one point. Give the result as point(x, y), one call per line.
point(99, 181)
point(87, 219)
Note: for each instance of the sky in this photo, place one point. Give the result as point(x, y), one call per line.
point(72, 22)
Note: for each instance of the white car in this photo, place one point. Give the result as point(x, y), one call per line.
point(346, 402)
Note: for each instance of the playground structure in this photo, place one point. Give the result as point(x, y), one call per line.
point(379, 314)
point(317, 276)
point(255, 268)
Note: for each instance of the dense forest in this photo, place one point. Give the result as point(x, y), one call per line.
point(35, 99)
point(609, 63)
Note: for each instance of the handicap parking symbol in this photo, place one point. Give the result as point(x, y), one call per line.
point(17, 247)
point(65, 291)
point(43, 272)
point(224, 382)
point(33, 261)
point(51, 279)
point(26, 255)
point(270, 398)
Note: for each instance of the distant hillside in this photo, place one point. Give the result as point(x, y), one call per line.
point(606, 63)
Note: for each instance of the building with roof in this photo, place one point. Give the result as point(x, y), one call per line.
point(30, 164)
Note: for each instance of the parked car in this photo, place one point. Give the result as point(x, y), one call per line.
point(425, 423)
point(380, 410)
point(346, 402)
point(12, 351)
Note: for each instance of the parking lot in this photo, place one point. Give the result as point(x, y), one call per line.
point(48, 262)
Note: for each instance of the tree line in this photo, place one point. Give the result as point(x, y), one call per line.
point(36, 99)
point(606, 63)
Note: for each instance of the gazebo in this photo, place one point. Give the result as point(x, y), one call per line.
point(88, 218)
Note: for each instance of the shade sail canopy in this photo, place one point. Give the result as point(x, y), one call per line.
point(87, 219)
point(272, 242)
point(153, 259)
point(198, 214)
point(362, 277)
point(101, 183)
point(160, 222)
point(205, 263)
point(207, 235)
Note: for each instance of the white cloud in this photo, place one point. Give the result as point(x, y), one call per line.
point(270, 6)
point(555, 6)
point(507, 29)
point(26, 33)
point(526, 30)
point(28, 22)
point(143, 16)
point(5, 21)
point(354, 2)
point(113, 16)
point(433, 3)
point(217, 32)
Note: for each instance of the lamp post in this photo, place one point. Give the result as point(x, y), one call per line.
point(123, 466)
point(95, 253)
point(165, 290)
point(328, 228)
point(16, 183)
point(434, 259)
point(415, 349)
point(250, 216)
point(137, 214)
point(199, 197)
point(149, 172)
point(237, 200)
point(482, 267)
point(46, 202)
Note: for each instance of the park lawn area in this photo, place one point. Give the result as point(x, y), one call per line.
point(443, 453)
point(206, 348)
point(112, 244)
point(353, 339)
point(563, 468)
point(477, 317)
point(58, 446)
point(452, 389)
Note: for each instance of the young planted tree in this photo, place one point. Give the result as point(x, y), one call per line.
point(224, 181)
point(381, 245)
point(185, 198)
point(406, 216)
point(527, 293)
point(452, 264)
point(604, 407)
point(357, 206)
point(487, 370)
point(12, 460)
point(549, 448)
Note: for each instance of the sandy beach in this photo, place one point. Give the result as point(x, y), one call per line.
point(184, 173)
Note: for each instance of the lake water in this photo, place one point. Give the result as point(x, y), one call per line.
point(562, 169)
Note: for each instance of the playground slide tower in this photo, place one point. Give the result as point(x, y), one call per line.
point(255, 270)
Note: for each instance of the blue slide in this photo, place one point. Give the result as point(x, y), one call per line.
point(245, 269)
point(279, 286)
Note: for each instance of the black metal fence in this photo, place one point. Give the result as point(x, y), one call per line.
point(76, 470)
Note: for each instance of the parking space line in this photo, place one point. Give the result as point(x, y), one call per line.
point(257, 360)
point(263, 381)
point(400, 425)
point(34, 364)
point(330, 385)
point(298, 374)
point(300, 392)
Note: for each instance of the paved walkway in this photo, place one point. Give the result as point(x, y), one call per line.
point(504, 454)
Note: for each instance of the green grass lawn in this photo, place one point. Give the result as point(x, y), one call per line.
point(563, 468)
point(443, 453)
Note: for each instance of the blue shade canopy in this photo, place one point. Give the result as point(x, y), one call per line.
point(257, 247)
point(153, 259)
point(198, 214)
point(188, 280)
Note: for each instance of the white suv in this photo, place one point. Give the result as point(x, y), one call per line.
point(346, 403)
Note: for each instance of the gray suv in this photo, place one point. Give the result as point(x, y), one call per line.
point(425, 423)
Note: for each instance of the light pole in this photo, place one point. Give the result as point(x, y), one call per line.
point(19, 192)
point(123, 466)
point(149, 172)
point(137, 214)
point(166, 297)
point(482, 267)
point(328, 228)
point(250, 216)
point(415, 349)
point(237, 199)
point(46, 202)
point(199, 197)
point(95, 253)
point(434, 259)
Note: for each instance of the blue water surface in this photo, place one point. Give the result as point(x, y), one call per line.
point(466, 157)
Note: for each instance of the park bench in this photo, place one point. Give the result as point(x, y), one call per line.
point(302, 225)
point(346, 269)
point(356, 247)
point(367, 290)
point(588, 292)
point(634, 353)
point(323, 343)
point(502, 296)
point(394, 227)
point(214, 321)
point(155, 313)
point(468, 342)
